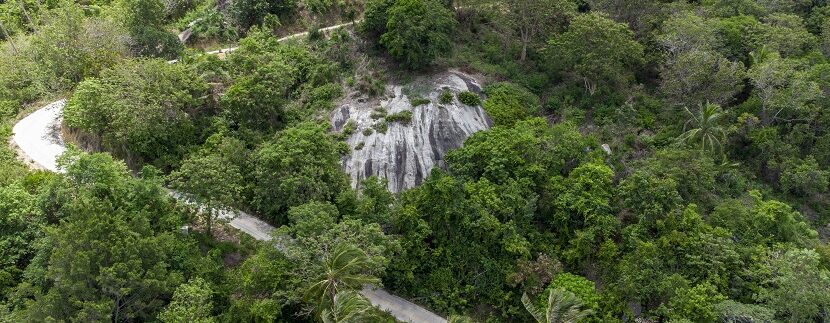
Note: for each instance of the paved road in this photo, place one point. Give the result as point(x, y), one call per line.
point(38, 136)
point(39, 141)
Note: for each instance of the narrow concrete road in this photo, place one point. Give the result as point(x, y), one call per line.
point(38, 136)
point(39, 141)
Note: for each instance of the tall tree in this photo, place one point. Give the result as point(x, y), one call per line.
point(597, 52)
point(212, 179)
point(528, 19)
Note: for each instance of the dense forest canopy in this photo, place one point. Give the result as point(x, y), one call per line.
point(648, 161)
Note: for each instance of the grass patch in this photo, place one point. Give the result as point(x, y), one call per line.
point(359, 146)
point(368, 132)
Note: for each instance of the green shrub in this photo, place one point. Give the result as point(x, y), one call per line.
point(508, 103)
point(349, 128)
point(8, 108)
point(381, 126)
point(418, 101)
point(446, 97)
point(368, 132)
point(378, 113)
point(469, 98)
point(359, 145)
point(404, 117)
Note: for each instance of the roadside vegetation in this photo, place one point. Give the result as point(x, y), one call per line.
point(665, 161)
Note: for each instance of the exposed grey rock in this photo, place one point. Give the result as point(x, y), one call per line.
point(406, 153)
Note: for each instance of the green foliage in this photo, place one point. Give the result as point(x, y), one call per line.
point(144, 21)
point(212, 177)
point(368, 132)
point(248, 13)
point(115, 231)
point(798, 290)
point(378, 113)
point(596, 52)
point(381, 126)
point(508, 103)
point(580, 286)
point(375, 16)
point(446, 97)
point(696, 78)
point(696, 304)
point(516, 152)
point(403, 117)
point(804, 177)
point(142, 110)
point(269, 76)
point(469, 98)
point(417, 31)
point(299, 164)
point(758, 222)
point(191, 303)
point(20, 228)
point(210, 24)
point(419, 101)
point(561, 307)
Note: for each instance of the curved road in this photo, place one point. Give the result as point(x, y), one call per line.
point(39, 143)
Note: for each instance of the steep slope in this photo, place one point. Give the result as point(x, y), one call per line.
point(407, 151)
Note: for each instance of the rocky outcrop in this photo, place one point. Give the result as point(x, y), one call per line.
point(407, 151)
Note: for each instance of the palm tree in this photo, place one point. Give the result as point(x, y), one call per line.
point(349, 306)
point(705, 132)
point(562, 307)
point(343, 270)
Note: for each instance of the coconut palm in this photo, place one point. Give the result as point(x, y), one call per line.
point(343, 270)
point(349, 306)
point(704, 129)
point(562, 307)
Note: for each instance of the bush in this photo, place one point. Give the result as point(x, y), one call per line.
point(446, 97)
point(378, 113)
point(404, 117)
point(381, 126)
point(419, 101)
point(349, 128)
point(300, 164)
point(508, 103)
point(247, 13)
point(359, 145)
point(469, 98)
point(368, 132)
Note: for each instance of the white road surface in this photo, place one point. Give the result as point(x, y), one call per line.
point(39, 141)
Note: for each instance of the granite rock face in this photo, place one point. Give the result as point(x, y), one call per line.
point(407, 152)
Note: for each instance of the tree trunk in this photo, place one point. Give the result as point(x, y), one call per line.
point(9, 37)
point(26, 13)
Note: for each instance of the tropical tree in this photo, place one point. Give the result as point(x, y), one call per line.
point(562, 307)
point(349, 306)
point(704, 130)
point(343, 270)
